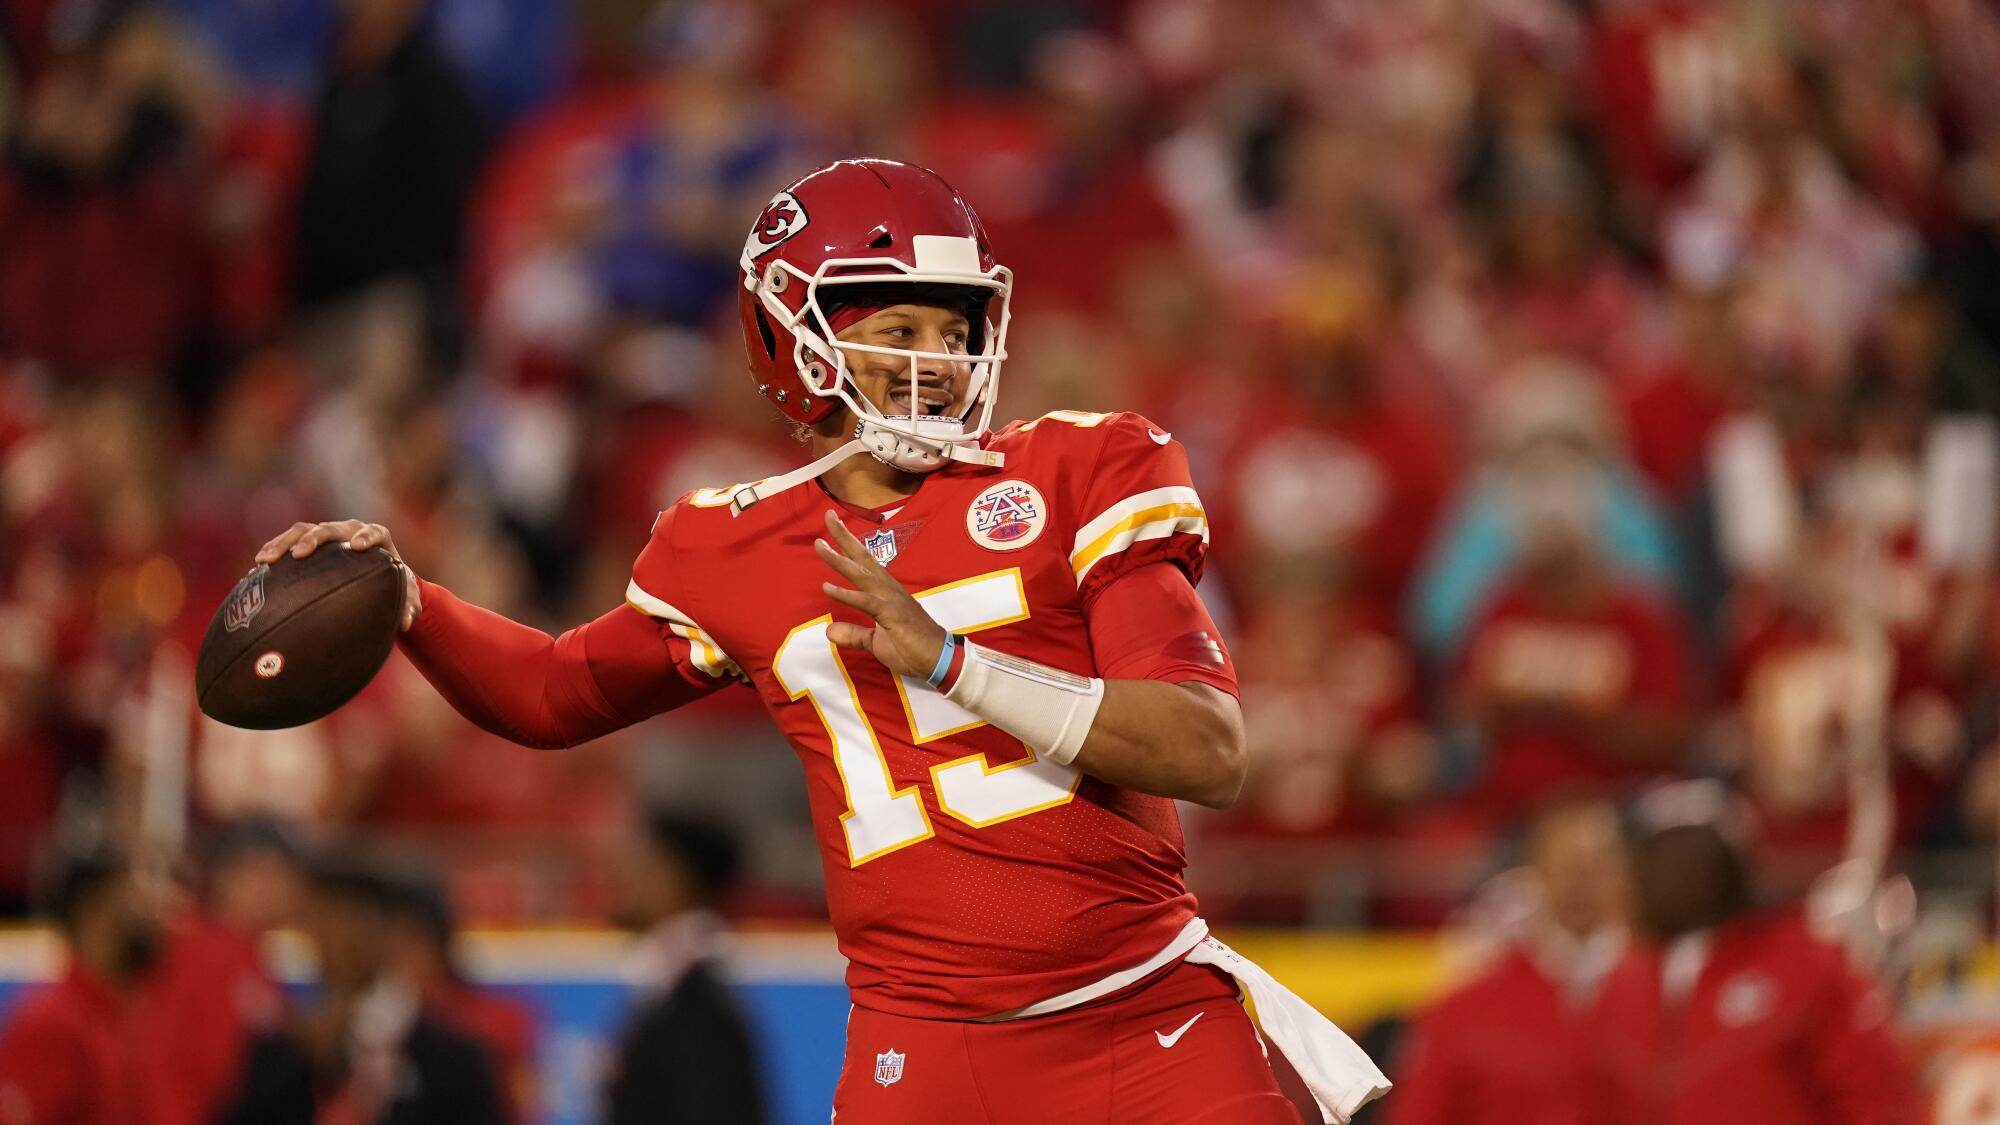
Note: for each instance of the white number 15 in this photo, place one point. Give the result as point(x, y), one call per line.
point(881, 818)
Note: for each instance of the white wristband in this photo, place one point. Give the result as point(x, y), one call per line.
point(1049, 709)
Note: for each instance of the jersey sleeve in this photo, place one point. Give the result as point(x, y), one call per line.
point(1150, 625)
point(520, 683)
point(658, 591)
point(1138, 506)
point(528, 687)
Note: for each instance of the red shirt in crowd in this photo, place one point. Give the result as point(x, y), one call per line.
point(1069, 221)
point(1595, 317)
point(30, 789)
point(1792, 680)
point(66, 1057)
point(1506, 1048)
point(1777, 1029)
point(1554, 682)
point(1335, 689)
point(1645, 67)
point(1669, 419)
point(1365, 483)
point(100, 279)
point(212, 992)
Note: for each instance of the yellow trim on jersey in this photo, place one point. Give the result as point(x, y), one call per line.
point(902, 689)
point(717, 497)
point(1082, 419)
point(861, 716)
point(707, 655)
point(1153, 523)
point(1153, 514)
point(987, 770)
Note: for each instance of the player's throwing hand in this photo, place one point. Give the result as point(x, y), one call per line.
point(903, 638)
point(301, 539)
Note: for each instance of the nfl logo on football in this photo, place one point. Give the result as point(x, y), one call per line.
point(889, 1067)
point(882, 545)
point(245, 600)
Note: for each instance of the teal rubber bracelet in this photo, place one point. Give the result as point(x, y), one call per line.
point(944, 659)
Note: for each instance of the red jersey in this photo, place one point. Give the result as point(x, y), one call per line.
point(1670, 420)
point(1506, 1048)
point(68, 1057)
point(1335, 689)
point(1790, 677)
point(965, 876)
point(1777, 1029)
point(1365, 483)
point(210, 994)
point(1553, 672)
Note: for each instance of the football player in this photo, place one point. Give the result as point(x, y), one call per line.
point(987, 650)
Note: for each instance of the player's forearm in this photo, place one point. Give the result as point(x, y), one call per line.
point(1171, 739)
point(1183, 741)
point(508, 678)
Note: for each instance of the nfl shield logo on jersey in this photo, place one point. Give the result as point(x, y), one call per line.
point(882, 545)
point(889, 1067)
point(1006, 517)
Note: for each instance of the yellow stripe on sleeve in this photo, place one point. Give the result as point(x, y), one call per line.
point(1147, 523)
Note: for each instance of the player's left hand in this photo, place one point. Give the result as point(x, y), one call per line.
point(903, 638)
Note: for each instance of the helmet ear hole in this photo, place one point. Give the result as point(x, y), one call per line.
point(764, 333)
point(881, 239)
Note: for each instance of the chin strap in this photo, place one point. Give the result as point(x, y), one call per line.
point(746, 495)
point(973, 455)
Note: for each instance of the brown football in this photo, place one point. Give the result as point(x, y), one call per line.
point(299, 637)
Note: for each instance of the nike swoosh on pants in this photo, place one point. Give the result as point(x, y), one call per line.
point(1170, 1040)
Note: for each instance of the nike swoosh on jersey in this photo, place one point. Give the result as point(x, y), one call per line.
point(1170, 1040)
point(1158, 437)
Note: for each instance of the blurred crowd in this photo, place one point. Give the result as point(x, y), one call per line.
point(172, 1006)
point(1633, 969)
point(1583, 392)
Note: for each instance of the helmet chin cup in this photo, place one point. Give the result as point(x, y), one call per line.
point(918, 453)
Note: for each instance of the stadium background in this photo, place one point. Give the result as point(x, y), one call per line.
point(1690, 303)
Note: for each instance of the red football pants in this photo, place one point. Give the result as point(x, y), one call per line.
point(1179, 1050)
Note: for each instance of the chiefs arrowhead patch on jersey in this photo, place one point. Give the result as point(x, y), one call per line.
point(783, 217)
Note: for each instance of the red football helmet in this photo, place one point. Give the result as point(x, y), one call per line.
point(874, 223)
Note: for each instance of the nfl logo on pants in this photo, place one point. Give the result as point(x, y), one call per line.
point(889, 1067)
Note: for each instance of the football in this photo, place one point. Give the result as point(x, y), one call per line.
point(299, 637)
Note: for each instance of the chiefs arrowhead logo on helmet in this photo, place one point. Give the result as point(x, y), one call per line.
point(783, 217)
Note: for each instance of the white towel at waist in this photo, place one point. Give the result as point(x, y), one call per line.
point(1340, 1075)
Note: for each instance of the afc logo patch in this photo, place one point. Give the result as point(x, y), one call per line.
point(889, 1067)
point(782, 218)
point(1007, 517)
point(245, 600)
